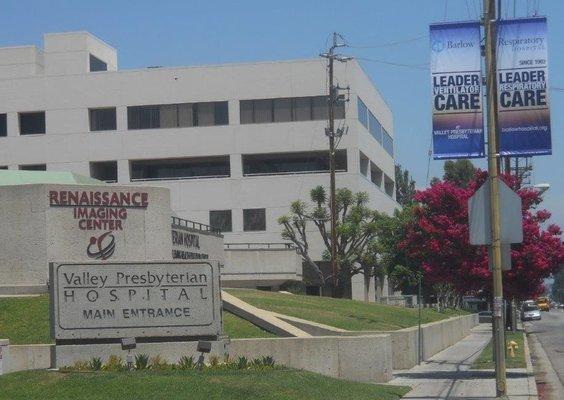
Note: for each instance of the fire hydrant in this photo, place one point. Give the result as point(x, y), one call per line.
point(512, 346)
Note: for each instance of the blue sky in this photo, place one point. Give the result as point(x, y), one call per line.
point(176, 32)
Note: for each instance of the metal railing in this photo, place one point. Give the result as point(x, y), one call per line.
point(271, 245)
point(181, 222)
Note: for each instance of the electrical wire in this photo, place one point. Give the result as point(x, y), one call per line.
point(423, 67)
point(394, 43)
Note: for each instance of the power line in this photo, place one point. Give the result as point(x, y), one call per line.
point(395, 64)
point(394, 43)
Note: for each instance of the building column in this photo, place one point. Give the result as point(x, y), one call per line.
point(13, 124)
point(236, 165)
point(123, 172)
point(233, 108)
point(121, 118)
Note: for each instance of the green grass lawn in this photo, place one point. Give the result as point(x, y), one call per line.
point(341, 313)
point(25, 320)
point(277, 384)
point(485, 361)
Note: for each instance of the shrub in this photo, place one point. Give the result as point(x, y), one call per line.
point(114, 363)
point(186, 362)
point(81, 366)
point(214, 361)
point(242, 362)
point(96, 364)
point(141, 361)
point(157, 363)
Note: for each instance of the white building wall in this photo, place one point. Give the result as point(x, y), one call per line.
point(66, 91)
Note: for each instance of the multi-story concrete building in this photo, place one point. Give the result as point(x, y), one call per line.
point(235, 144)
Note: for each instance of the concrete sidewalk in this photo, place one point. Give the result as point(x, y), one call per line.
point(447, 375)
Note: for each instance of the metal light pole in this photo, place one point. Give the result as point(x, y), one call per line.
point(493, 170)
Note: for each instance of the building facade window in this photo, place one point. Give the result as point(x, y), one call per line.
point(374, 127)
point(287, 109)
point(102, 119)
point(33, 167)
point(362, 113)
point(3, 167)
point(388, 143)
point(363, 163)
point(32, 123)
point(389, 185)
point(180, 168)
point(376, 174)
point(97, 65)
point(254, 219)
point(178, 115)
point(221, 219)
point(104, 171)
point(292, 163)
point(3, 125)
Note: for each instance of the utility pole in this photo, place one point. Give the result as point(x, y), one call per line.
point(493, 170)
point(331, 133)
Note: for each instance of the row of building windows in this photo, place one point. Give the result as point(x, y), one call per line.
point(190, 114)
point(376, 175)
point(254, 219)
point(371, 123)
point(287, 109)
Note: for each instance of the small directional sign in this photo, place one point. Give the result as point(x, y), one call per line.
point(479, 215)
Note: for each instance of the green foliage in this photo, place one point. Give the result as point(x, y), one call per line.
point(214, 361)
point(242, 362)
point(459, 172)
point(96, 364)
point(356, 226)
point(405, 186)
point(158, 363)
point(141, 361)
point(341, 313)
point(81, 366)
point(114, 364)
point(272, 384)
point(186, 363)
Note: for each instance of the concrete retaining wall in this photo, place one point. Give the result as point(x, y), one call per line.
point(360, 358)
point(26, 357)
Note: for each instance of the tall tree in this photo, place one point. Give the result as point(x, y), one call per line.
point(405, 186)
point(356, 225)
point(439, 241)
point(460, 172)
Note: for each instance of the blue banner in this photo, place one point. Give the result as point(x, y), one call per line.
point(522, 66)
point(456, 80)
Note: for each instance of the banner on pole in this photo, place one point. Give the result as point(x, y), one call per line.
point(458, 126)
point(522, 66)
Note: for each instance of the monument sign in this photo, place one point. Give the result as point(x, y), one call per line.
point(137, 299)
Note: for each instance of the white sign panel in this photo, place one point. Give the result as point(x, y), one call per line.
point(144, 299)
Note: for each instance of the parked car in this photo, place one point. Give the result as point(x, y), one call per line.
point(543, 304)
point(530, 312)
point(485, 317)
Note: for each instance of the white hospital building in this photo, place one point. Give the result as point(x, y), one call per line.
point(234, 143)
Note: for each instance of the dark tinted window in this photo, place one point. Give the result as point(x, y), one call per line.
point(33, 167)
point(388, 142)
point(180, 168)
point(221, 219)
point(287, 163)
point(3, 167)
point(104, 170)
point(3, 125)
point(178, 115)
point(97, 65)
point(32, 123)
point(254, 219)
point(287, 109)
point(103, 119)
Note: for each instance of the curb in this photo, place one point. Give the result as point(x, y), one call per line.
point(532, 384)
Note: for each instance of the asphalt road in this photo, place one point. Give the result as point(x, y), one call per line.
point(550, 333)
